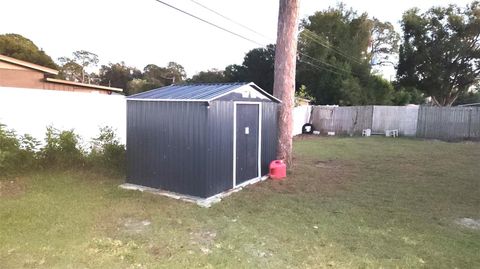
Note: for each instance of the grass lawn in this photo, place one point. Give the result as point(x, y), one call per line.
point(347, 203)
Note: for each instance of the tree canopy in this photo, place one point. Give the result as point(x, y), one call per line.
point(257, 67)
point(337, 49)
point(209, 76)
point(154, 76)
point(19, 47)
point(440, 54)
point(74, 69)
point(118, 75)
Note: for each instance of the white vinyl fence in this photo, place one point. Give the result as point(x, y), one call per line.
point(301, 115)
point(32, 110)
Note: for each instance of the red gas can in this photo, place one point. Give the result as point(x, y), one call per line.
point(278, 169)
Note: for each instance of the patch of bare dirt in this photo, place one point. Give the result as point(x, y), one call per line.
point(306, 137)
point(12, 188)
point(469, 223)
point(159, 252)
point(204, 240)
point(319, 176)
point(135, 226)
point(329, 164)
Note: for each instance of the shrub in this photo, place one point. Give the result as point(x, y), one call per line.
point(17, 154)
point(9, 147)
point(107, 151)
point(61, 149)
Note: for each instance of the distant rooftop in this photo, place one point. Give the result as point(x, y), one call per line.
point(37, 67)
point(52, 72)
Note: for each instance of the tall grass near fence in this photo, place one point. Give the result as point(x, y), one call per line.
point(61, 150)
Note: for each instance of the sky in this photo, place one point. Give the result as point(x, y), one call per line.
point(141, 32)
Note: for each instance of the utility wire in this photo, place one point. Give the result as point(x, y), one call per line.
point(316, 38)
point(228, 19)
point(306, 32)
point(320, 67)
point(325, 63)
point(207, 22)
point(253, 41)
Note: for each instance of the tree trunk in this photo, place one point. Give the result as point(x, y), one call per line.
point(284, 77)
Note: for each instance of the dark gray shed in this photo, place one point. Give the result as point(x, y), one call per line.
point(200, 139)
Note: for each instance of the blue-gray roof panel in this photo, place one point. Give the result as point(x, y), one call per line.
point(199, 92)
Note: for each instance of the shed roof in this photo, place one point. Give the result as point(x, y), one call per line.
point(204, 92)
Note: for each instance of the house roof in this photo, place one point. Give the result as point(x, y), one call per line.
point(203, 92)
point(97, 87)
point(51, 71)
point(28, 65)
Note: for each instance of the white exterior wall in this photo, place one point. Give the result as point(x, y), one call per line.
point(301, 115)
point(32, 110)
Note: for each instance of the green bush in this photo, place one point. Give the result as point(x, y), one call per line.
point(17, 153)
point(61, 149)
point(107, 152)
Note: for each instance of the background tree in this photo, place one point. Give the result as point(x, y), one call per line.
point(209, 76)
point(85, 59)
point(384, 43)
point(118, 75)
point(258, 67)
point(440, 54)
point(470, 97)
point(75, 69)
point(70, 70)
point(335, 61)
point(176, 72)
point(19, 47)
point(235, 73)
point(154, 76)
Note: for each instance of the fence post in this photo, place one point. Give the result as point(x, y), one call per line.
point(469, 122)
point(373, 118)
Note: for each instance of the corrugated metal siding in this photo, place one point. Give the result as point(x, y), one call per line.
point(269, 134)
point(220, 148)
point(449, 123)
point(220, 143)
point(166, 145)
point(186, 147)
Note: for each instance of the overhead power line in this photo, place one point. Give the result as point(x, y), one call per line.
point(207, 22)
point(316, 38)
point(253, 41)
point(325, 63)
point(320, 67)
point(228, 19)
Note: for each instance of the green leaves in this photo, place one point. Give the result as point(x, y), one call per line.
point(21, 48)
point(338, 48)
point(440, 54)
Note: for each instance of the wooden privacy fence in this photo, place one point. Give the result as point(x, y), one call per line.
point(342, 120)
point(449, 123)
point(352, 120)
point(446, 123)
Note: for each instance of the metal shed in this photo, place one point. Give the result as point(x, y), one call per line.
point(200, 139)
